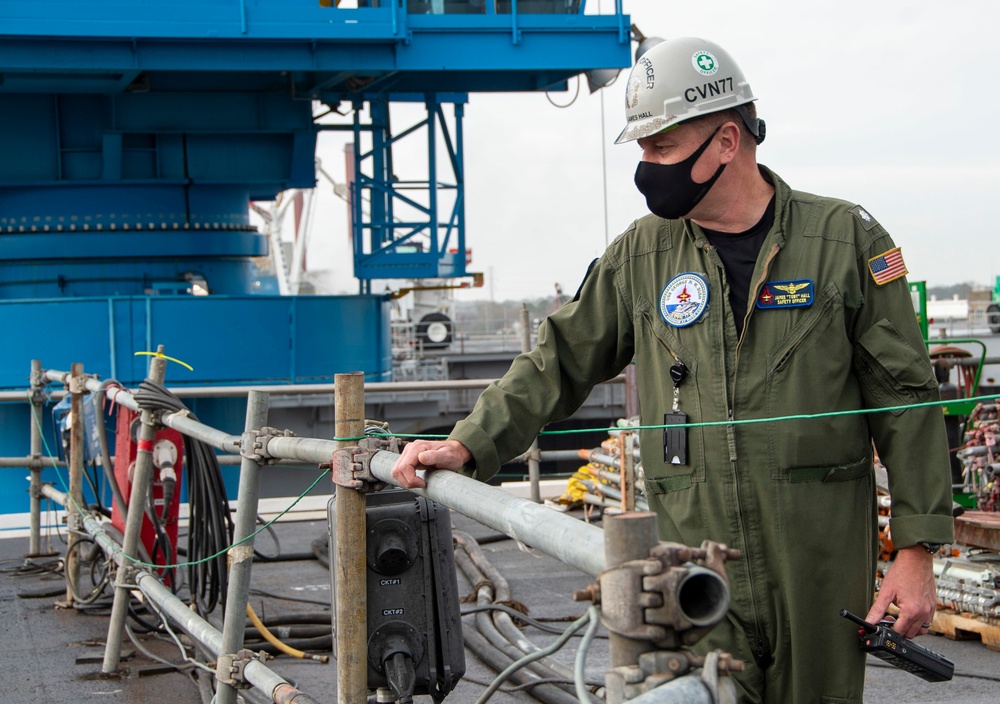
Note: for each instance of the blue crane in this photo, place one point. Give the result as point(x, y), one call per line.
point(134, 134)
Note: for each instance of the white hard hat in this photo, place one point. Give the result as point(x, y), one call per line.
point(680, 79)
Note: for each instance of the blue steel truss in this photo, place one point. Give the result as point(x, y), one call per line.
point(133, 133)
point(408, 228)
point(166, 116)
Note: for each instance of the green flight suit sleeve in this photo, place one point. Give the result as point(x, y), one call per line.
point(583, 343)
point(890, 359)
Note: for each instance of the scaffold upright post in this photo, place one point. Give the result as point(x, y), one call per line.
point(626, 469)
point(629, 536)
point(36, 401)
point(75, 507)
point(141, 478)
point(350, 551)
point(241, 554)
point(534, 469)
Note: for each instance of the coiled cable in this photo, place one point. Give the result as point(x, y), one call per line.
point(211, 524)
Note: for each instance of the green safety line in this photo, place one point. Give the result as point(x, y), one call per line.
point(149, 565)
point(718, 423)
point(705, 424)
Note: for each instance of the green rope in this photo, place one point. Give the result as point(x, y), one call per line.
point(745, 421)
point(154, 566)
point(705, 424)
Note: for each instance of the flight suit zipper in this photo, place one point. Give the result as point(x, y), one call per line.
point(758, 644)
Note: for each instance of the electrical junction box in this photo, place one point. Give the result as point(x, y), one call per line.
point(168, 460)
point(415, 641)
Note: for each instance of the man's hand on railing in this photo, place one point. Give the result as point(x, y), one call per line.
point(428, 455)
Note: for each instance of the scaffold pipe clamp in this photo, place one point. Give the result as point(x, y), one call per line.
point(253, 444)
point(230, 668)
point(351, 466)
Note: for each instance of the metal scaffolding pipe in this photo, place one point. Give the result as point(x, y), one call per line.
point(58, 377)
point(141, 481)
point(28, 462)
point(968, 573)
point(240, 556)
point(74, 517)
point(689, 689)
point(601, 457)
point(35, 465)
point(311, 450)
point(532, 453)
point(25, 462)
point(350, 553)
point(626, 478)
point(122, 397)
point(255, 672)
point(613, 477)
point(556, 534)
point(298, 389)
point(640, 503)
point(629, 536)
point(180, 422)
point(612, 492)
point(277, 688)
point(50, 492)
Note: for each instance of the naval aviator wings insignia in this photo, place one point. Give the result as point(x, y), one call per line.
point(786, 294)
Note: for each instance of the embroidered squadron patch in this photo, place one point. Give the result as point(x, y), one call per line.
point(786, 294)
point(684, 299)
point(887, 266)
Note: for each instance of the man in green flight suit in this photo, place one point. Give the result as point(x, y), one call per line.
point(764, 302)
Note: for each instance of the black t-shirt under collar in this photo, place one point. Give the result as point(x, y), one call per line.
point(738, 252)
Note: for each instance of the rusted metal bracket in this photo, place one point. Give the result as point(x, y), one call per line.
point(125, 574)
point(253, 443)
point(351, 466)
point(230, 669)
point(645, 603)
point(77, 384)
point(37, 394)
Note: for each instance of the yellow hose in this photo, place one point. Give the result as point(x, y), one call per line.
point(273, 640)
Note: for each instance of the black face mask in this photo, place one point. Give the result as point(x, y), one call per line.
point(669, 189)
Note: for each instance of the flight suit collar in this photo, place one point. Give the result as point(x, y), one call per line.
point(783, 195)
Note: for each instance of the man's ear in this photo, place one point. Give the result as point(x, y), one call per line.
point(730, 138)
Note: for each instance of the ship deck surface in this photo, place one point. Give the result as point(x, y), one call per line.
point(54, 655)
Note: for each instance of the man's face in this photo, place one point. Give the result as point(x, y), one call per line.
point(677, 144)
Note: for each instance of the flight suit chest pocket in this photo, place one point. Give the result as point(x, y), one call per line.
point(658, 348)
point(809, 372)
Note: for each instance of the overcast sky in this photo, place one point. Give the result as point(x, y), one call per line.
point(888, 103)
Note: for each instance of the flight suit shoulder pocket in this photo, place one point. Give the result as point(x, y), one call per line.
point(891, 370)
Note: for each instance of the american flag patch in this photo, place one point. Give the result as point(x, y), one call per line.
point(888, 266)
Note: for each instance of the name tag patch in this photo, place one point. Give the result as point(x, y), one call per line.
point(684, 299)
point(786, 294)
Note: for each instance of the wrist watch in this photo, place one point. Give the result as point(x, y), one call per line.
point(932, 548)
